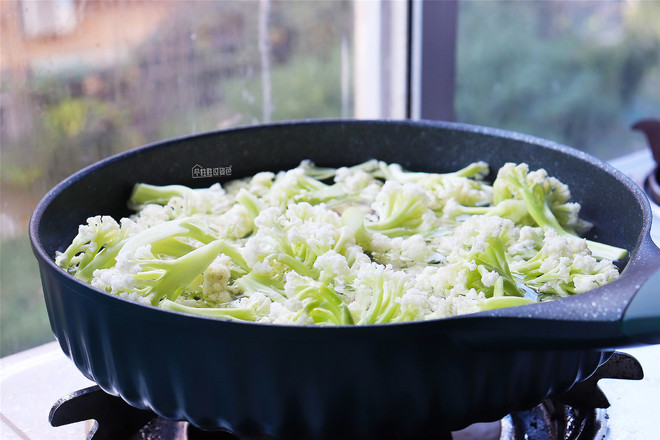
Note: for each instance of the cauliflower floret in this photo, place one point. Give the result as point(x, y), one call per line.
point(564, 265)
point(212, 200)
point(489, 278)
point(179, 200)
point(414, 248)
point(97, 233)
point(265, 242)
point(414, 304)
point(261, 183)
point(354, 179)
point(297, 213)
point(465, 191)
point(257, 301)
point(316, 237)
point(120, 277)
point(216, 278)
point(401, 210)
point(232, 224)
point(473, 235)
point(603, 272)
point(283, 313)
point(320, 302)
point(448, 289)
point(362, 187)
point(152, 214)
point(332, 265)
point(530, 239)
point(463, 305)
point(378, 291)
point(286, 186)
point(112, 280)
point(400, 251)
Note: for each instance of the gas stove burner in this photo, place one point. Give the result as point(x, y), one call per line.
point(577, 414)
point(551, 420)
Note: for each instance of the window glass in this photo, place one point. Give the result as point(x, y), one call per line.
point(82, 80)
point(580, 73)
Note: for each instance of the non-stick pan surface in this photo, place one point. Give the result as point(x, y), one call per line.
point(388, 381)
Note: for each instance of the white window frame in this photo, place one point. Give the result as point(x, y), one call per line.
point(404, 54)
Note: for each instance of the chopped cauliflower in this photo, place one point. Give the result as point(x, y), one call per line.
point(215, 287)
point(367, 244)
point(400, 251)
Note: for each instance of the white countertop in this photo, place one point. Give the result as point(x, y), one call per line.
point(30, 383)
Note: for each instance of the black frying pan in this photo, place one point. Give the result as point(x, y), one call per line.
point(388, 381)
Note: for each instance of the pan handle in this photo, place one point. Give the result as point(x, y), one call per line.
point(641, 319)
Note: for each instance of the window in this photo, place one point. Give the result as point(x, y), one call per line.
point(82, 80)
point(579, 73)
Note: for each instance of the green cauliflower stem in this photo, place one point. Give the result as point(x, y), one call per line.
point(310, 186)
point(546, 200)
point(212, 200)
point(253, 282)
point(493, 259)
point(515, 210)
point(95, 247)
point(559, 263)
point(295, 238)
point(144, 194)
point(395, 172)
point(320, 301)
point(233, 313)
point(465, 185)
point(171, 256)
point(160, 279)
point(500, 302)
point(401, 210)
point(386, 287)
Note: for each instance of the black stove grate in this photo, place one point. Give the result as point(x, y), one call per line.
point(574, 415)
